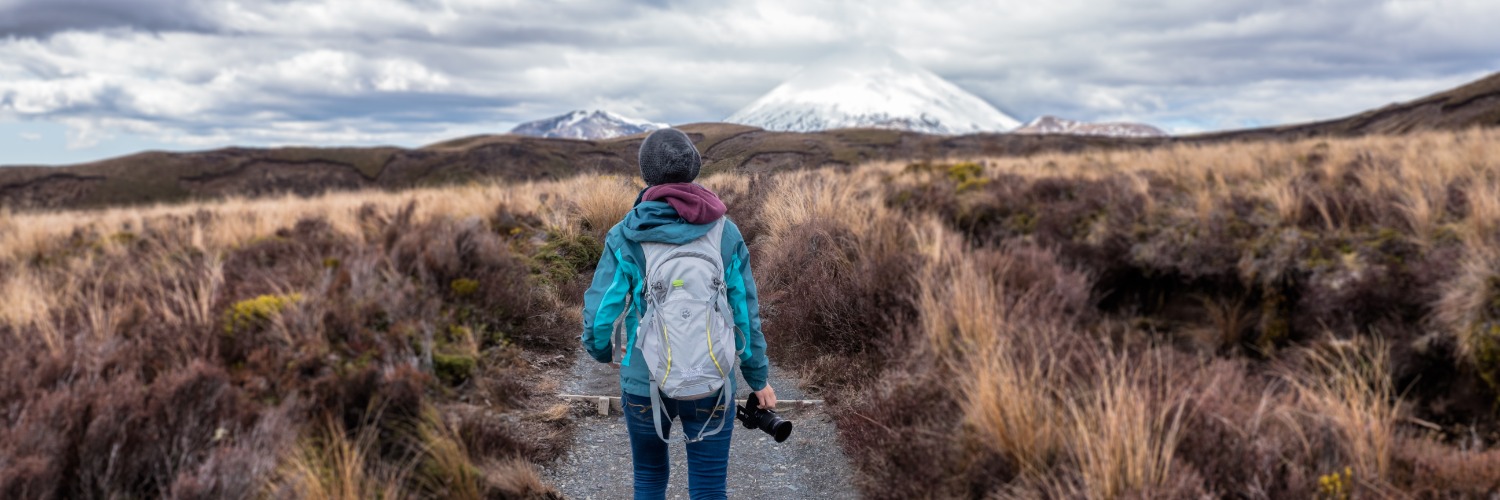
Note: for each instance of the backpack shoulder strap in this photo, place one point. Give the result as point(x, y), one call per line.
point(715, 237)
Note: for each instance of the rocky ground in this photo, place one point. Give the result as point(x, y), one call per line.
point(810, 464)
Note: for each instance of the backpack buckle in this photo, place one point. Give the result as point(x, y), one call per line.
point(659, 290)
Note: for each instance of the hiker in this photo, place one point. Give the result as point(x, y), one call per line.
point(668, 351)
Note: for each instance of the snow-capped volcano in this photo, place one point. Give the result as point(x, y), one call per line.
point(1048, 124)
point(872, 87)
point(586, 125)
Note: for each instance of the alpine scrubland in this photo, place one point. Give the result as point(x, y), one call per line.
point(1318, 318)
point(355, 345)
point(1252, 320)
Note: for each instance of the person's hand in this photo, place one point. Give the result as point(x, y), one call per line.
point(767, 397)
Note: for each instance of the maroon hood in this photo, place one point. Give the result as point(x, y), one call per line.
point(694, 203)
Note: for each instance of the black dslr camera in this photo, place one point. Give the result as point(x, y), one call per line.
point(755, 417)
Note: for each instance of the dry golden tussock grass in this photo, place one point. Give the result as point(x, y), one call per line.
point(25, 298)
point(335, 466)
point(1021, 401)
point(1468, 306)
point(1124, 434)
point(1013, 406)
point(1417, 170)
point(184, 298)
point(1349, 388)
point(234, 221)
point(602, 203)
point(1011, 400)
point(823, 196)
point(451, 473)
point(1112, 427)
point(1008, 326)
point(995, 336)
point(519, 477)
point(312, 304)
point(1427, 188)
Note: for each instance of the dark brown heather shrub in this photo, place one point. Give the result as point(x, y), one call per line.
point(106, 438)
point(474, 269)
point(829, 291)
point(1433, 470)
point(1239, 444)
point(904, 432)
point(238, 470)
point(744, 204)
point(1279, 255)
point(536, 436)
point(187, 374)
point(294, 258)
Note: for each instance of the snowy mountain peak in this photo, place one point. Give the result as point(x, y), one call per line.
point(872, 87)
point(1048, 124)
point(586, 124)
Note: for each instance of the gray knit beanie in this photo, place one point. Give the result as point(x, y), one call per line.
point(668, 156)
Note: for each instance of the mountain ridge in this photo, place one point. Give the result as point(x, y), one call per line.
point(1476, 103)
point(157, 177)
point(1048, 124)
point(586, 124)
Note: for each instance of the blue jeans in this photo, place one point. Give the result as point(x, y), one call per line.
point(708, 460)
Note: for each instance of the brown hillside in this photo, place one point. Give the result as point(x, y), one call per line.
point(1476, 104)
point(153, 177)
point(168, 177)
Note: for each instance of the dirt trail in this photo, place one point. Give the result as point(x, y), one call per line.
point(810, 464)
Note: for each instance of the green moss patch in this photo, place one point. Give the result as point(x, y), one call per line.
point(453, 369)
point(255, 313)
point(463, 287)
point(564, 257)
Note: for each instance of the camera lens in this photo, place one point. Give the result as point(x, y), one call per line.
point(780, 430)
point(766, 420)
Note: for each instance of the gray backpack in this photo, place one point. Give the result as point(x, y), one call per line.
point(687, 332)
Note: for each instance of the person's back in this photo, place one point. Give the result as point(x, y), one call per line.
point(671, 212)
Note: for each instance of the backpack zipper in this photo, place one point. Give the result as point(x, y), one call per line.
point(708, 326)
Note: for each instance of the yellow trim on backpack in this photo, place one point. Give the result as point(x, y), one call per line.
point(668, 343)
point(708, 329)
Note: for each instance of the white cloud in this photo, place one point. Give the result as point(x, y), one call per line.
point(223, 72)
point(30, 136)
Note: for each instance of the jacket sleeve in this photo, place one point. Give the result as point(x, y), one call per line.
point(754, 365)
point(603, 303)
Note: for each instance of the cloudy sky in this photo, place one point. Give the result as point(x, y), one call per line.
point(87, 79)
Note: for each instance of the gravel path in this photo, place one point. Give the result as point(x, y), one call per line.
point(810, 464)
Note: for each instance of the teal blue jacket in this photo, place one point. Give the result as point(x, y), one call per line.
point(620, 274)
